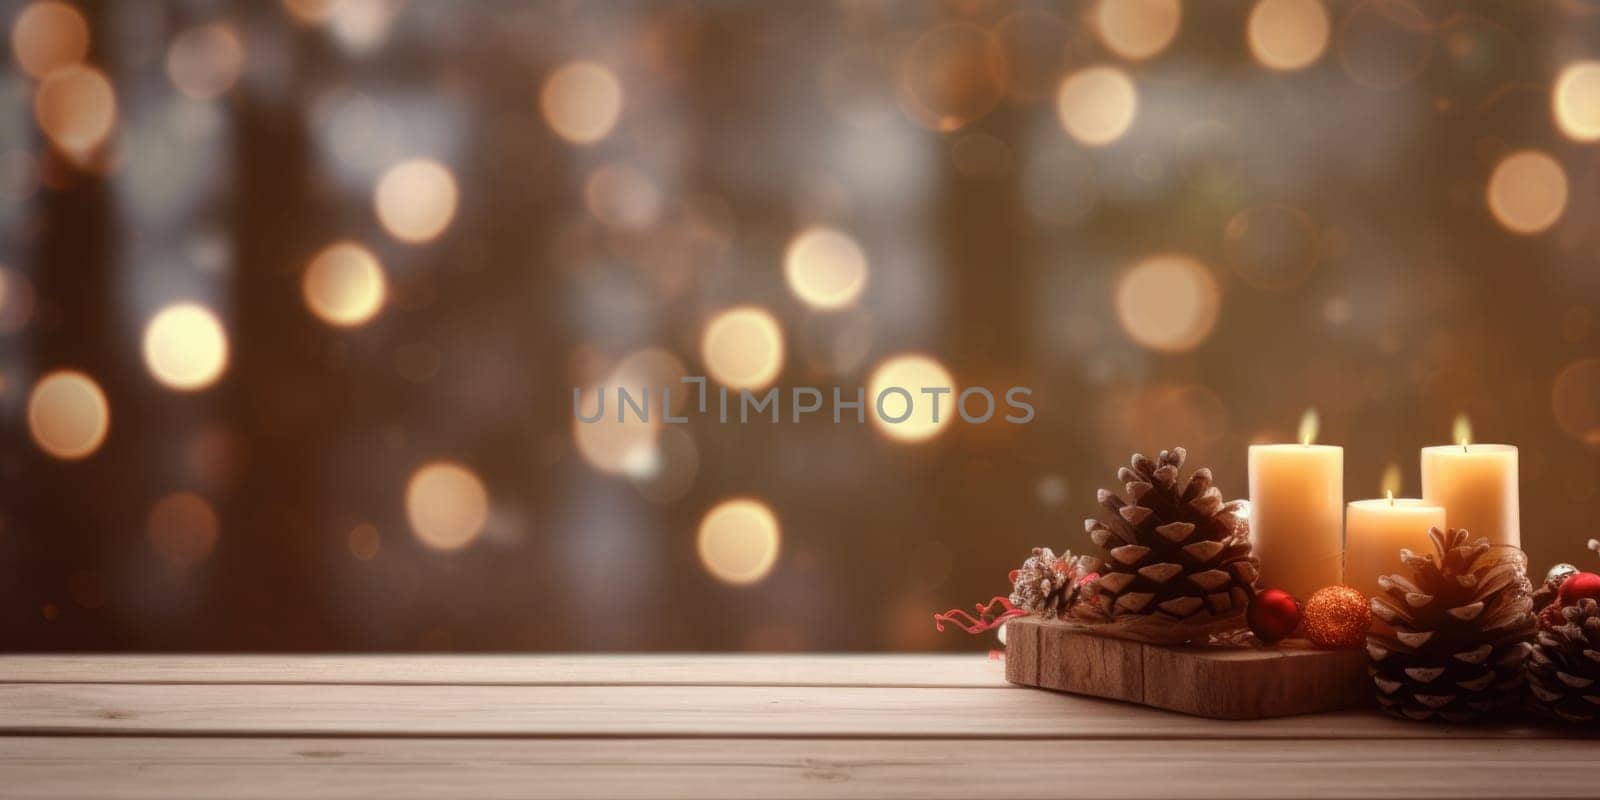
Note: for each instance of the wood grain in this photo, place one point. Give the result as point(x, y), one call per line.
point(594, 670)
point(1233, 684)
point(691, 711)
point(639, 769)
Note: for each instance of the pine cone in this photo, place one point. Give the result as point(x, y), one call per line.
point(1177, 552)
point(1048, 584)
point(1451, 643)
point(1564, 670)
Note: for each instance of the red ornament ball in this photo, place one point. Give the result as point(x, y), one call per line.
point(1273, 615)
point(1337, 617)
point(1578, 587)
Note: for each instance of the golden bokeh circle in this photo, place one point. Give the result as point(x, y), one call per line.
point(1287, 35)
point(743, 348)
point(900, 377)
point(203, 62)
point(738, 541)
point(1168, 303)
point(1097, 105)
point(1137, 29)
point(1575, 399)
point(47, 36)
point(416, 200)
point(344, 285)
point(446, 505)
point(581, 102)
point(68, 415)
point(185, 347)
point(76, 107)
point(1527, 192)
point(825, 268)
point(183, 529)
point(947, 79)
point(1575, 100)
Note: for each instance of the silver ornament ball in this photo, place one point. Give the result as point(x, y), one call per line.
point(1558, 574)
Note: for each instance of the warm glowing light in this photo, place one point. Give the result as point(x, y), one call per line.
point(743, 348)
point(185, 347)
point(912, 374)
point(1528, 192)
point(1137, 29)
point(1310, 423)
point(446, 505)
point(47, 36)
point(738, 541)
point(1168, 303)
point(68, 414)
point(415, 200)
point(1575, 399)
point(1461, 430)
point(623, 444)
point(76, 108)
point(825, 268)
point(205, 61)
point(1097, 105)
point(343, 285)
point(310, 12)
point(364, 541)
point(581, 101)
point(182, 529)
point(1390, 482)
point(622, 196)
point(1576, 101)
point(1287, 34)
point(16, 300)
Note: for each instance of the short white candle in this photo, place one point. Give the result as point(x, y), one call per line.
point(1477, 486)
point(1375, 530)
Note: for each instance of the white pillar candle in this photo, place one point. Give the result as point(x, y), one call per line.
point(1374, 532)
point(1476, 484)
point(1297, 513)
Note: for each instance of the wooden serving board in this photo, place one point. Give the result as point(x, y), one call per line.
point(1219, 683)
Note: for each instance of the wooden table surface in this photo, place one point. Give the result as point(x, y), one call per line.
point(698, 726)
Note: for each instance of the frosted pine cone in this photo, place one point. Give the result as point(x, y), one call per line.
point(1047, 584)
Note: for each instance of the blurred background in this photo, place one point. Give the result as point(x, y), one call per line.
point(294, 297)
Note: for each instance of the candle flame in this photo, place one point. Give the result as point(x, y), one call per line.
point(1461, 430)
point(1308, 426)
point(1390, 482)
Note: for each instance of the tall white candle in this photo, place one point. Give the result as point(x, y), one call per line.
point(1477, 486)
point(1297, 513)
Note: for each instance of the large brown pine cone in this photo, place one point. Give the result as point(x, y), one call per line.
point(1176, 552)
point(1450, 642)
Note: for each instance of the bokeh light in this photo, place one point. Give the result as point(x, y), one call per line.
point(183, 529)
point(623, 197)
point(623, 444)
point(581, 102)
point(1575, 398)
point(16, 300)
point(913, 373)
point(68, 415)
point(1287, 34)
point(415, 200)
point(76, 108)
point(946, 79)
point(1168, 303)
point(205, 61)
point(1575, 100)
point(365, 541)
point(185, 347)
point(343, 285)
point(738, 541)
point(1527, 192)
point(47, 36)
point(743, 348)
point(446, 505)
point(1097, 105)
point(825, 268)
point(1271, 247)
point(1384, 44)
point(1137, 29)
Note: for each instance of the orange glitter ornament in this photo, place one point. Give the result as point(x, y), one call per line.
point(1337, 617)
